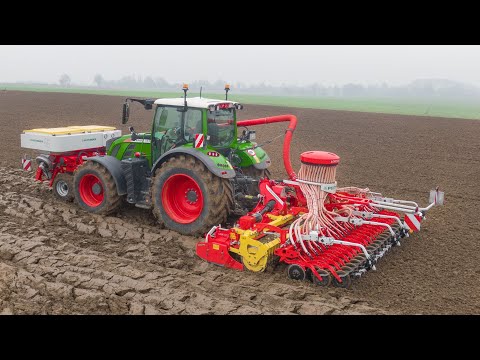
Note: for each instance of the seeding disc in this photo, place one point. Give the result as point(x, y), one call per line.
point(295, 272)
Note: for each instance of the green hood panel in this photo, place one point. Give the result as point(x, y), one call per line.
point(252, 157)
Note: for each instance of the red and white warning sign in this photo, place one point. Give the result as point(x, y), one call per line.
point(413, 221)
point(27, 164)
point(198, 140)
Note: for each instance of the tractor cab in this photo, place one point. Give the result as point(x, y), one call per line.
point(208, 127)
point(199, 123)
point(203, 123)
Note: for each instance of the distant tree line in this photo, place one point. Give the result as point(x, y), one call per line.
point(420, 88)
point(149, 82)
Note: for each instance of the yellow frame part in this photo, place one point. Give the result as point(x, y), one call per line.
point(254, 253)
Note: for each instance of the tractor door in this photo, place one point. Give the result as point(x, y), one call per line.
point(173, 127)
point(166, 128)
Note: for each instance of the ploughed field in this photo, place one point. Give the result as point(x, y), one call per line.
point(58, 259)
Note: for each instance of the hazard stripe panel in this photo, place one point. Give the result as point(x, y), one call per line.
point(198, 140)
point(413, 221)
point(27, 165)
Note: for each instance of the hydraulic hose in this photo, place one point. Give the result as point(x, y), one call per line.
point(292, 119)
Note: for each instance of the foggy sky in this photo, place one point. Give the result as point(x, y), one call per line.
point(273, 64)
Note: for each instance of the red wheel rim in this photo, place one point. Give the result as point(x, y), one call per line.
point(182, 198)
point(91, 190)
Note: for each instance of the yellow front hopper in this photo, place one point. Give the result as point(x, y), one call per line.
point(67, 130)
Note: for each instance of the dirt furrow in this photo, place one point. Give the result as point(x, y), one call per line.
point(59, 259)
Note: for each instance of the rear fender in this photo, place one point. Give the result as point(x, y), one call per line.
point(225, 172)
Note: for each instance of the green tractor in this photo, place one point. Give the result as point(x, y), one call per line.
point(193, 169)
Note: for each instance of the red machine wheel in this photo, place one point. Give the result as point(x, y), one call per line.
point(90, 189)
point(182, 198)
point(188, 198)
point(95, 189)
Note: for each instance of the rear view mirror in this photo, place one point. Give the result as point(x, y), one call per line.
point(125, 112)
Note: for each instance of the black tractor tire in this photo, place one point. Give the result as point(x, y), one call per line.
point(111, 200)
point(62, 187)
point(256, 173)
point(217, 194)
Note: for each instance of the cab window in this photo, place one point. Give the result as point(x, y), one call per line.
point(167, 118)
point(193, 124)
point(220, 127)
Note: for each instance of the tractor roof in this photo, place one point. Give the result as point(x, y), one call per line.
point(196, 102)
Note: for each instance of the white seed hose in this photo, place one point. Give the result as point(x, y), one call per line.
point(319, 218)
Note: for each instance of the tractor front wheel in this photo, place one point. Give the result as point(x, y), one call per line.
point(95, 189)
point(188, 198)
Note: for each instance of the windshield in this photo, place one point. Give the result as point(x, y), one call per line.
point(220, 127)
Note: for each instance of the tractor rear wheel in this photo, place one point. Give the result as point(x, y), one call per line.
point(188, 198)
point(95, 189)
point(256, 173)
point(63, 187)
